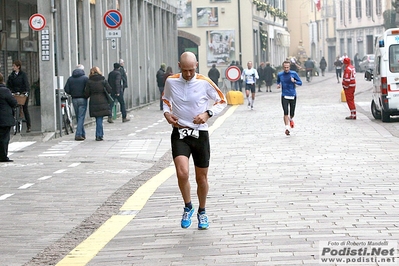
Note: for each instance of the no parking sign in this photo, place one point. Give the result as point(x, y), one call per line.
point(112, 19)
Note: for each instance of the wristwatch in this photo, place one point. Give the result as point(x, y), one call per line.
point(210, 113)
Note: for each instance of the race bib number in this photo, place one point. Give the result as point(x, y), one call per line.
point(289, 97)
point(188, 132)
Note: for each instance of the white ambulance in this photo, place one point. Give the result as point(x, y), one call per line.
point(385, 102)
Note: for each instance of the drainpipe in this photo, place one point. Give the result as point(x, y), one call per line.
point(58, 94)
point(239, 31)
point(342, 11)
point(372, 11)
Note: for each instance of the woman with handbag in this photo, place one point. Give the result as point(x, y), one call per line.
point(96, 89)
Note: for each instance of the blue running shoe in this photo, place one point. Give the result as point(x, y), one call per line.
point(202, 221)
point(186, 219)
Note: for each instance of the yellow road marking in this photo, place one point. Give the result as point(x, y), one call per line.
point(89, 248)
point(137, 201)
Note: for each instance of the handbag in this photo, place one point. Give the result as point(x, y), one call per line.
point(109, 97)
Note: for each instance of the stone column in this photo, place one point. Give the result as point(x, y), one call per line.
point(47, 74)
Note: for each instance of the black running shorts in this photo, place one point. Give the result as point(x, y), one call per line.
point(285, 103)
point(250, 87)
point(199, 148)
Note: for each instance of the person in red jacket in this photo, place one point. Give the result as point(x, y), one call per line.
point(349, 85)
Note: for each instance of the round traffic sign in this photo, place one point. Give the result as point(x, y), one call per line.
point(37, 22)
point(233, 73)
point(112, 19)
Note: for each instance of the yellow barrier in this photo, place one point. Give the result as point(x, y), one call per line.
point(235, 97)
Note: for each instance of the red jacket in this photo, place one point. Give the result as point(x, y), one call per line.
point(348, 79)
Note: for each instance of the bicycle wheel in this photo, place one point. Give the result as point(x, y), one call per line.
point(70, 121)
point(69, 125)
point(17, 126)
point(14, 128)
point(65, 121)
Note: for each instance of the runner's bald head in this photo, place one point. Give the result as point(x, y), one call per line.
point(188, 64)
point(188, 58)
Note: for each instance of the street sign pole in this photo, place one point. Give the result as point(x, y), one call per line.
point(112, 20)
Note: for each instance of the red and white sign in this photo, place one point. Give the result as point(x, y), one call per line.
point(233, 73)
point(112, 19)
point(37, 22)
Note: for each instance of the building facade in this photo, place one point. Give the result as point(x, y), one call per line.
point(306, 31)
point(75, 33)
point(339, 27)
point(222, 31)
point(359, 22)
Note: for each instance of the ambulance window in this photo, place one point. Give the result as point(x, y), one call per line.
point(377, 66)
point(394, 58)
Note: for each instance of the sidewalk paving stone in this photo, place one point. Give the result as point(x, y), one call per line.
point(272, 197)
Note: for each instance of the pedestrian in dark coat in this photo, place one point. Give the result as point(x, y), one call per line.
point(214, 74)
point(123, 74)
point(161, 83)
point(262, 75)
point(115, 80)
point(75, 86)
point(357, 62)
point(7, 120)
point(239, 82)
point(338, 68)
point(98, 104)
point(269, 71)
point(18, 83)
point(323, 65)
point(168, 72)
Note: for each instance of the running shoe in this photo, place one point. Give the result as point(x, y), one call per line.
point(350, 117)
point(292, 124)
point(186, 219)
point(287, 132)
point(252, 107)
point(202, 221)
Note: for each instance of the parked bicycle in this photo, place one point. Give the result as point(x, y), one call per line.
point(66, 111)
point(18, 111)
